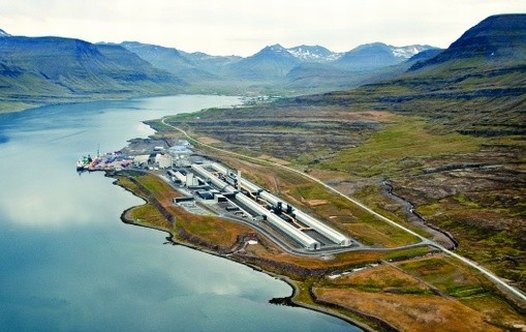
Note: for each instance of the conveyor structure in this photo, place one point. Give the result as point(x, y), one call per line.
point(281, 224)
point(315, 224)
point(223, 186)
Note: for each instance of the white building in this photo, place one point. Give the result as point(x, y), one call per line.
point(141, 160)
point(164, 160)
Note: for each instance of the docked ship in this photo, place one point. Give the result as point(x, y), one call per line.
point(83, 163)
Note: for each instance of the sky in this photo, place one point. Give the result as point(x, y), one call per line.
point(242, 27)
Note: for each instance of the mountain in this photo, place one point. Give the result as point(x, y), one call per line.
point(304, 62)
point(476, 86)
point(377, 55)
point(172, 60)
point(194, 67)
point(494, 39)
point(210, 63)
point(316, 53)
point(38, 68)
point(4, 34)
point(169, 59)
point(272, 62)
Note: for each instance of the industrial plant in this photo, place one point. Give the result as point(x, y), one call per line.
point(210, 188)
point(249, 201)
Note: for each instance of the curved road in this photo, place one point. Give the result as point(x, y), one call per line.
point(469, 262)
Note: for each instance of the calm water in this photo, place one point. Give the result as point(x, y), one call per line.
point(68, 263)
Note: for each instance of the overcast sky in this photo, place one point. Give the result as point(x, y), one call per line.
point(243, 27)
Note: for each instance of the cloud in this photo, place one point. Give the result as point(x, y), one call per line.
point(244, 26)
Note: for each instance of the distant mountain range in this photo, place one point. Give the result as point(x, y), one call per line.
point(274, 62)
point(35, 70)
point(276, 69)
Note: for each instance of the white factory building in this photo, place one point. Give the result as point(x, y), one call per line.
point(276, 203)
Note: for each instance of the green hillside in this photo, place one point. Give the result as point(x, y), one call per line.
point(51, 69)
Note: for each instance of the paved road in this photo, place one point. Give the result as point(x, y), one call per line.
point(469, 262)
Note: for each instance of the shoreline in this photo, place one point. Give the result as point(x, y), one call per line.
point(295, 289)
point(36, 105)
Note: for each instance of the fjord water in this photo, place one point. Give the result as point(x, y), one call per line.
point(67, 262)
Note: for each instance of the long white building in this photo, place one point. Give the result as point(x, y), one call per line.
point(223, 186)
point(320, 227)
point(296, 234)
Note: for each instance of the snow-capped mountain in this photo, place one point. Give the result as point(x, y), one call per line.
point(316, 53)
point(4, 34)
point(378, 55)
point(406, 52)
point(276, 48)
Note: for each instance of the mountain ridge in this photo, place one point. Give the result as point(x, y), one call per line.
point(483, 40)
point(300, 68)
point(38, 69)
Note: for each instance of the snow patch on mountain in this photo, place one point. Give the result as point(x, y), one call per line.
point(277, 48)
point(313, 53)
point(406, 52)
point(4, 34)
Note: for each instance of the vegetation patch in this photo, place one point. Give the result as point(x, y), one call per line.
point(383, 278)
point(412, 313)
point(399, 147)
point(448, 275)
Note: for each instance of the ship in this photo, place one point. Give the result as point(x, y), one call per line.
point(83, 163)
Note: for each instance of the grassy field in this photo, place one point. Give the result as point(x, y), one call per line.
point(428, 292)
point(412, 313)
point(450, 276)
point(384, 278)
point(398, 148)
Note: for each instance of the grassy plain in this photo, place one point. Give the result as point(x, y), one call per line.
point(400, 147)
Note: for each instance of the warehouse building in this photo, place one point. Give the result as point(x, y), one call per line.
point(279, 214)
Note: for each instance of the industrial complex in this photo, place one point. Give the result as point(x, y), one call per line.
point(260, 206)
point(209, 187)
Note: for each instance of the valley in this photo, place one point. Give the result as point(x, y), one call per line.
point(415, 156)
